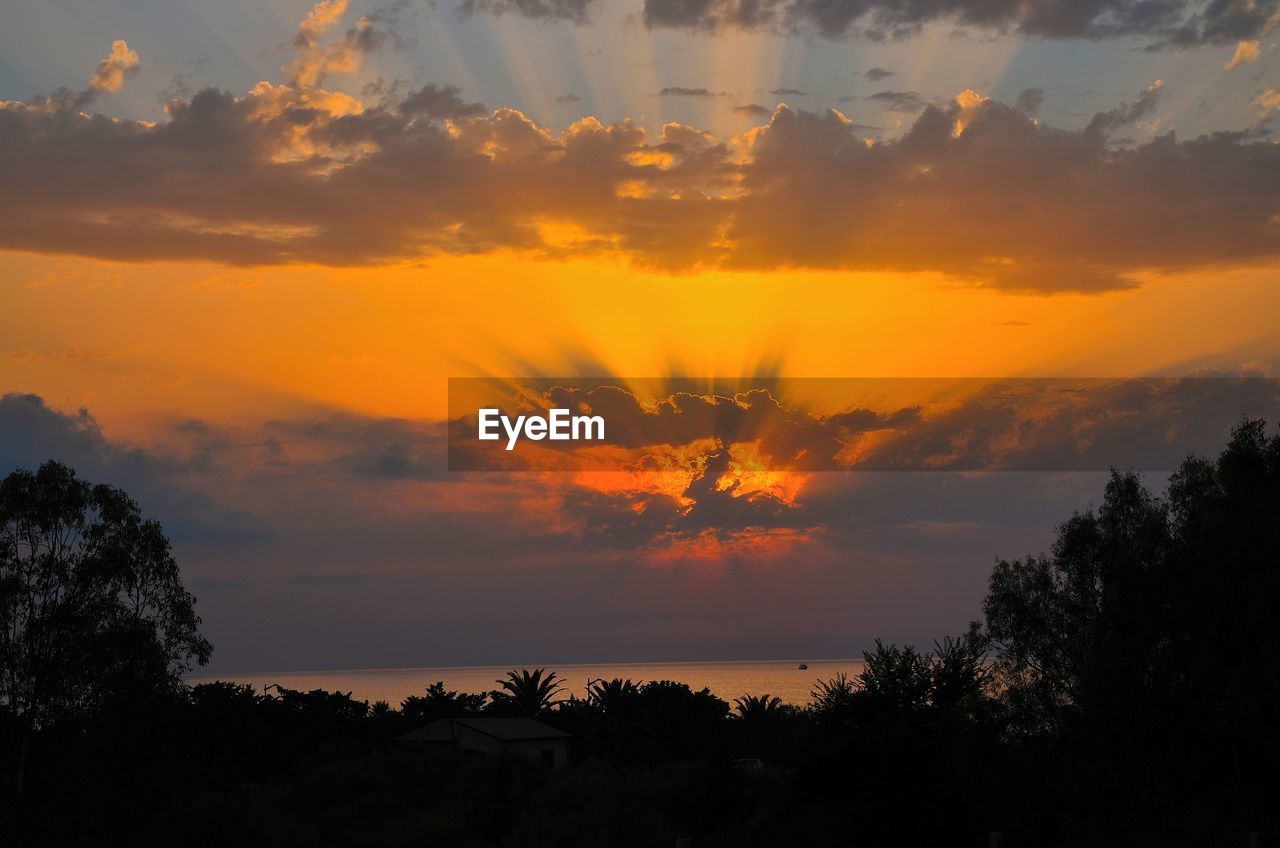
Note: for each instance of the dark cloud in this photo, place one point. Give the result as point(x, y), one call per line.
point(575, 11)
point(789, 92)
point(878, 74)
point(1143, 424)
point(1103, 124)
point(439, 101)
point(682, 91)
point(372, 449)
point(1088, 215)
point(909, 102)
point(1029, 100)
point(34, 432)
point(710, 16)
point(568, 97)
point(976, 189)
point(1022, 425)
point(1162, 23)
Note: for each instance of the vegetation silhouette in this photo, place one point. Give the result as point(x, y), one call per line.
point(439, 703)
point(1121, 689)
point(760, 709)
point(93, 614)
point(527, 693)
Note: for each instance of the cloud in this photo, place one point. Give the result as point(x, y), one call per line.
point(973, 189)
point(439, 101)
point(314, 59)
point(1246, 52)
point(957, 167)
point(1104, 124)
point(1165, 24)
point(878, 74)
point(709, 16)
point(110, 75)
point(574, 11)
point(112, 71)
point(568, 97)
point(900, 101)
point(752, 110)
point(1268, 100)
point(363, 546)
point(35, 432)
point(682, 91)
point(1022, 425)
point(1030, 100)
point(789, 92)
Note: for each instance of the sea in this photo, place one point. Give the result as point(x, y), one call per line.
point(728, 680)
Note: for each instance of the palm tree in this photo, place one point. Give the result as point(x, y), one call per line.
point(614, 695)
point(758, 707)
point(529, 693)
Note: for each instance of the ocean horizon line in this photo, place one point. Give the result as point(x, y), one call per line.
point(516, 666)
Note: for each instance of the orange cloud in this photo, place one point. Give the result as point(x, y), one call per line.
point(112, 70)
point(1246, 52)
point(292, 172)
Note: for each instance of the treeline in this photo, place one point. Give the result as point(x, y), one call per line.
point(650, 762)
point(1123, 688)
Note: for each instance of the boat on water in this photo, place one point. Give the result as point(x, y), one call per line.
point(803, 666)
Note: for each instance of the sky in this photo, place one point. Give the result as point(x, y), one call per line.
point(244, 246)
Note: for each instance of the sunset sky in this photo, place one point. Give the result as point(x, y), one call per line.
point(243, 246)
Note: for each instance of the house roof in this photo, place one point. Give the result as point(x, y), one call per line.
point(502, 729)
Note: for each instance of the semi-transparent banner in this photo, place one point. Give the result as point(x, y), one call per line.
point(842, 424)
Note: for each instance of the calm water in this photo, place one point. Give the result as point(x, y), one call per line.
point(729, 680)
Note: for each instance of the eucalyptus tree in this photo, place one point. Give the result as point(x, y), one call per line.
point(93, 612)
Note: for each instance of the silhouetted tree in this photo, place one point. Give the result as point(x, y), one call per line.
point(93, 613)
point(320, 707)
point(961, 676)
point(1147, 642)
point(529, 693)
point(763, 725)
point(613, 697)
point(680, 722)
point(1082, 624)
point(1220, 604)
point(832, 701)
point(439, 702)
point(758, 708)
point(896, 680)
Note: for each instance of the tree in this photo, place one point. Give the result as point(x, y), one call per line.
point(758, 709)
point(832, 701)
point(439, 702)
point(681, 722)
point(616, 698)
point(896, 680)
point(951, 684)
point(93, 613)
point(960, 674)
point(1155, 616)
point(1083, 625)
point(527, 693)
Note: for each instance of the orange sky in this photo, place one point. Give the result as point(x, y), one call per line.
point(140, 342)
